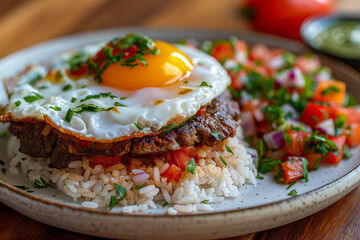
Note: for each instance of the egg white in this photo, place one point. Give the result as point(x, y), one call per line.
point(149, 109)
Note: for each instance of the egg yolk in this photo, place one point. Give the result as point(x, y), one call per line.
point(168, 67)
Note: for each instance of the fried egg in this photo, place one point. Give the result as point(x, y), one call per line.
point(129, 102)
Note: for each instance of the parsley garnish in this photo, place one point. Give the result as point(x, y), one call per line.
point(205, 201)
point(31, 99)
point(78, 60)
point(67, 87)
point(119, 195)
point(215, 134)
point(346, 152)
point(229, 149)
point(168, 126)
point(84, 108)
point(291, 184)
point(205, 84)
point(35, 79)
point(274, 114)
point(138, 127)
point(330, 90)
point(165, 204)
point(18, 103)
point(305, 163)
point(117, 104)
point(73, 100)
point(56, 108)
point(137, 188)
point(267, 165)
point(41, 183)
point(258, 176)
point(320, 144)
point(191, 166)
point(97, 96)
point(289, 59)
point(172, 127)
point(293, 193)
point(225, 163)
point(21, 187)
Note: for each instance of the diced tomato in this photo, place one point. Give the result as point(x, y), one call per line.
point(313, 158)
point(222, 51)
point(330, 92)
point(336, 157)
point(172, 173)
point(255, 106)
point(314, 114)
point(292, 169)
point(201, 111)
point(307, 64)
point(237, 80)
point(295, 141)
point(260, 52)
point(353, 136)
point(106, 161)
point(352, 114)
point(263, 127)
point(183, 156)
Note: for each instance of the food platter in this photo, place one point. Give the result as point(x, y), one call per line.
point(260, 207)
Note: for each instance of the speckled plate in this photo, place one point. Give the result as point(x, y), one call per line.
point(260, 207)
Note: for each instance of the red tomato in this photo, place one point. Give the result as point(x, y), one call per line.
point(353, 137)
point(183, 156)
point(295, 142)
point(201, 111)
point(307, 64)
point(172, 173)
point(312, 158)
point(336, 157)
point(284, 17)
point(292, 170)
point(314, 114)
point(352, 114)
point(236, 80)
point(106, 161)
point(222, 51)
point(330, 92)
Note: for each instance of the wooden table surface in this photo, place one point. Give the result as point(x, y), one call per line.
point(26, 22)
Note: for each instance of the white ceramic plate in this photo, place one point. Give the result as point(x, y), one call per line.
point(260, 207)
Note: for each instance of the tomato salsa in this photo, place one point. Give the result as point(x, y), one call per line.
point(294, 112)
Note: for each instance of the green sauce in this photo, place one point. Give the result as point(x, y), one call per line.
point(341, 39)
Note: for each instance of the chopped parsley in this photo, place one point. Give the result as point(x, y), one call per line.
point(191, 166)
point(97, 96)
point(73, 100)
point(172, 127)
point(117, 104)
point(84, 108)
point(205, 201)
point(186, 82)
point(35, 79)
point(346, 152)
point(291, 184)
point(293, 193)
point(41, 183)
point(319, 144)
point(267, 165)
point(165, 204)
point(258, 176)
point(168, 126)
point(21, 187)
point(35, 97)
point(78, 60)
point(120, 194)
point(18, 103)
point(205, 84)
point(56, 108)
point(330, 90)
point(3, 134)
point(137, 188)
point(138, 127)
point(305, 163)
point(229, 149)
point(215, 134)
point(289, 59)
point(225, 163)
point(67, 87)
point(274, 114)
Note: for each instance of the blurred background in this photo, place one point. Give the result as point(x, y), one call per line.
point(26, 22)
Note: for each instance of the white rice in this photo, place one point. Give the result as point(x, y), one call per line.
point(212, 183)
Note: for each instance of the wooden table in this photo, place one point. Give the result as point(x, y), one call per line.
point(26, 22)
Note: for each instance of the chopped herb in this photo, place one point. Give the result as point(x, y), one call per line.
point(21, 187)
point(186, 81)
point(267, 165)
point(117, 104)
point(191, 166)
point(34, 98)
point(274, 114)
point(346, 152)
point(258, 176)
point(229, 149)
point(234, 93)
point(293, 193)
point(41, 183)
point(56, 108)
point(73, 99)
point(340, 122)
point(84, 108)
point(43, 87)
point(215, 134)
point(138, 127)
point(298, 128)
point(320, 144)
point(4, 134)
point(120, 194)
point(18, 103)
point(97, 96)
point(35, 79)
point(204, 201)
point(315, 118)
point(137, 188)
point(165, 204)
point(59, 75)
point(67, 87)
point(289, 59)
point(225, 163)
point(291, 184)
point(205, 84)
point(305, 163)
point(260, 147)
point(123, 98)
point(168, 126)
point(316, 165)
point(330, 90)
point(78, 60)
point(349, 100)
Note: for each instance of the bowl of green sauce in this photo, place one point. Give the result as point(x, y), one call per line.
point(337, 36)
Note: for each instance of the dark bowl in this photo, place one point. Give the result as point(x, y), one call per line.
point(313, 26)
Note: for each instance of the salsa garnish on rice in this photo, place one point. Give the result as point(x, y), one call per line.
point(294, 112)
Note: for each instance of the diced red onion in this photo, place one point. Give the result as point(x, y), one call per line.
point(247, 124)
point(253, 154)
point(277, 62)
point(275, 139)
point(290, 78)
point(140, 178)
point(287, 108)
point(327, 127)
